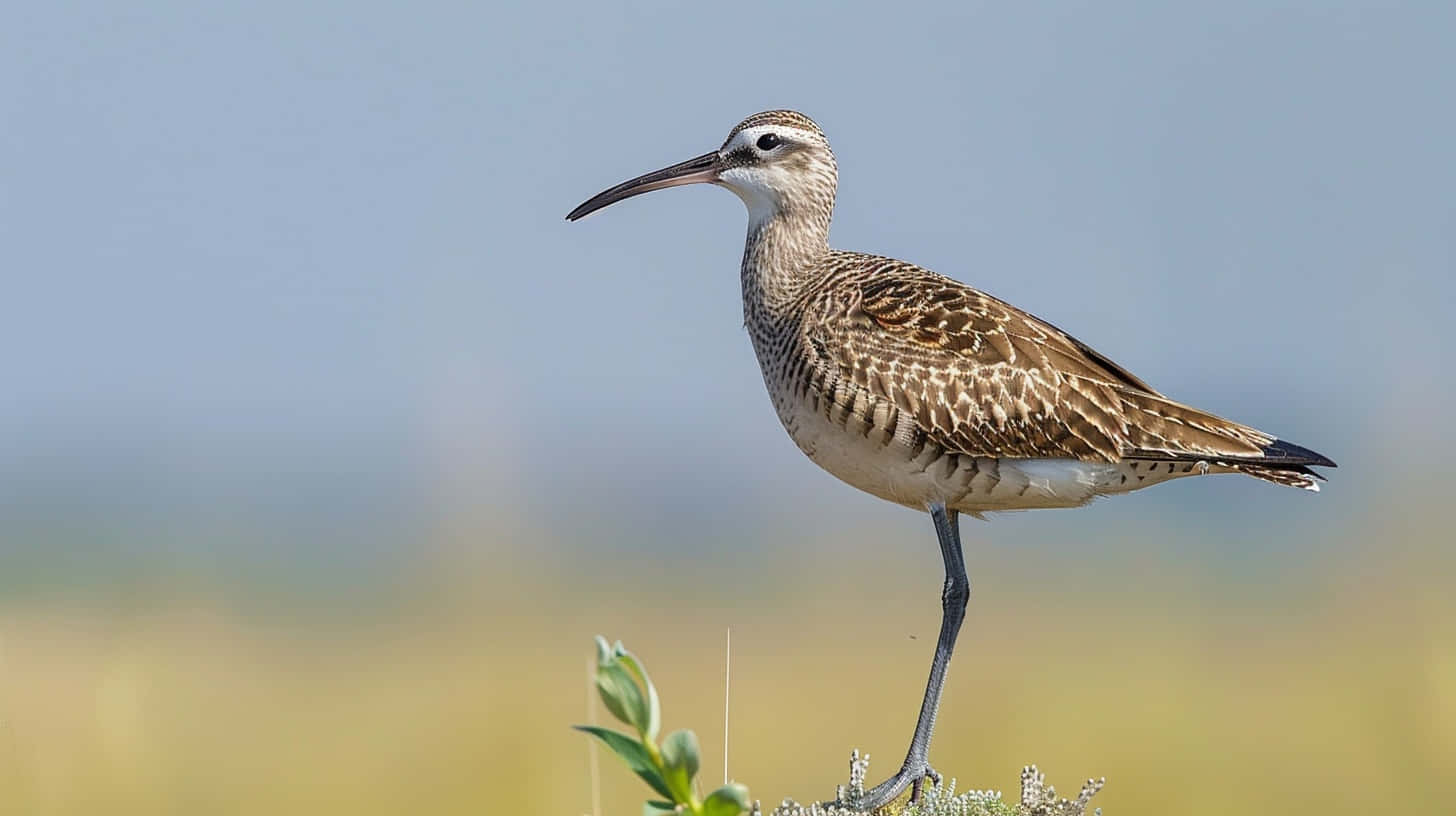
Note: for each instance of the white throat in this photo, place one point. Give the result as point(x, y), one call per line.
point(761, 204)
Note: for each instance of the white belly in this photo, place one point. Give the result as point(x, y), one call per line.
point(882, 463)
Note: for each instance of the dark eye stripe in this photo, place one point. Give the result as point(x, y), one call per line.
point(741, 156)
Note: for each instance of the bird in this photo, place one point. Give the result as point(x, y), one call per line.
point(923, 391)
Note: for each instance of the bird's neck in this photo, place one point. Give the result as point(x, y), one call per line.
point(780, 261)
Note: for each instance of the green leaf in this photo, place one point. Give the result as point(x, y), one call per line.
point(621, 695)
point(654, 709)
point(729, 800)
point(680, 762)
point(655, 808)
point(632, 753)
point(680, 750)
point(604, 651)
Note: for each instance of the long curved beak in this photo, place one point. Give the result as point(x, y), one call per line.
point(697, 170)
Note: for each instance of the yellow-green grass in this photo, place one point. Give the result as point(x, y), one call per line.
point(1330, 690)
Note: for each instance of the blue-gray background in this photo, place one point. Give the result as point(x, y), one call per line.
point(326, 443)
point(302, 271)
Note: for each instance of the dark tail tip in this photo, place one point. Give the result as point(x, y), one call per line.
point(1288, 453)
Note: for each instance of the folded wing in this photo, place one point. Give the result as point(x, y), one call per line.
point(983, 378)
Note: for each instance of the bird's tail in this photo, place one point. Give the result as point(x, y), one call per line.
point(1176, 434)
point(1289, 476)
point(1282, 463)
point(1286, 463)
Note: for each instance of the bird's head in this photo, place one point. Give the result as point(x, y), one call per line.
point(778, 162)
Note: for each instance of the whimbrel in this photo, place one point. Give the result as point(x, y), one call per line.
point(925, 392)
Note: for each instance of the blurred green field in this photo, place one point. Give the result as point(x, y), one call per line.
point(1330, 687)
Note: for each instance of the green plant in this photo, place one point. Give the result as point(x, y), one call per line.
point(668, 768)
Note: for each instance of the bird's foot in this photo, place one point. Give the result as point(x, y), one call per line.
point(910, 776)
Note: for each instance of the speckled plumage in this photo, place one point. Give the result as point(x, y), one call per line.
point(882, 360)
point(949, 377)
point(920, 389)
point(923, 391)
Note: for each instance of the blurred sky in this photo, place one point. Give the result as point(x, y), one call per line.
point(300, 271)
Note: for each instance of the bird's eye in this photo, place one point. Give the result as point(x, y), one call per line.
point(768, 141)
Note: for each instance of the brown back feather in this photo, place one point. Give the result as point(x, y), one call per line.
point(984, 378)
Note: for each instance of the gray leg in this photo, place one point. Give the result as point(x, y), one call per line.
point(953, 610)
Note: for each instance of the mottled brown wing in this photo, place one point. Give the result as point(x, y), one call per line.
point(984, 378)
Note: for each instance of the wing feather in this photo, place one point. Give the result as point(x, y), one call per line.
point(983, 378)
